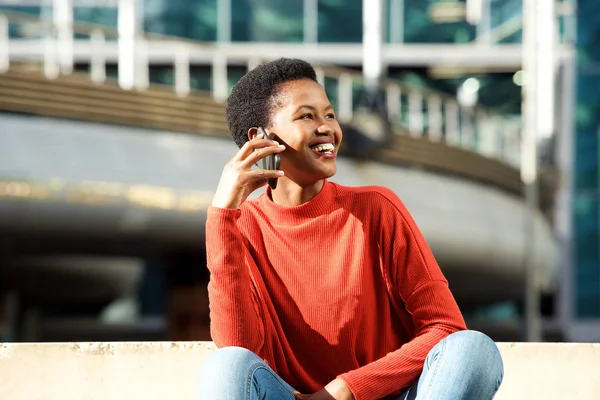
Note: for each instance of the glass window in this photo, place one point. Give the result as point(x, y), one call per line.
point(588, 288)
point(588, 125)
point(331, 88)
point(588, 23)
point(586, 210)
point(106, 16)
point(192, 19)
point(201, 78)
point(340, 21)
point(162, 74)
point(234, 74)
point(586, 161)
point(267, 21)
point(22, 30)
point(420, 27)
point(586, 220)
point(504, 11)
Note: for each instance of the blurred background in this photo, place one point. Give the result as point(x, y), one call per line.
point(482, 115)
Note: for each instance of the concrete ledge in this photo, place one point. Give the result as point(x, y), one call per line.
point(164, 370)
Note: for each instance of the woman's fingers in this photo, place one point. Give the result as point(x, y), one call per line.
point(261, 153)
point(300, 396)
point(256, 143)
point(261, 174)
point(238, 179)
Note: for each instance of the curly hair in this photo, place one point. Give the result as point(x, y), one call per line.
point(251, 101)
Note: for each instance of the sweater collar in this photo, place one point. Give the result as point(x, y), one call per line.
point(321, 204)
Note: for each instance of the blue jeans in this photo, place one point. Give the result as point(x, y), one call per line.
point(465, 365)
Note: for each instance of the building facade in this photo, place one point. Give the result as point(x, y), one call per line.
point(408, 24)
point(586, 210)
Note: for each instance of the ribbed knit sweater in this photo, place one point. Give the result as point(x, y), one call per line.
point(343, 285)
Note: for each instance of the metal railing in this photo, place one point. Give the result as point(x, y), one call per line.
point(416, 111)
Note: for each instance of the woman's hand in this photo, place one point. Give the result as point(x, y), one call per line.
point(238, 180)
point(320, 395)
point(335, 390)
point(300, 396)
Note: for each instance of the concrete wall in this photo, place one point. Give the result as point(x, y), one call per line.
point(158, 371)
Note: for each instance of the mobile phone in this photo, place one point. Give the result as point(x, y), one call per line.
point(270, 162)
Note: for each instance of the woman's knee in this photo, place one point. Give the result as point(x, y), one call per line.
point(466, 365)
point(477, 350)
point(228, 366)
point(229, 356)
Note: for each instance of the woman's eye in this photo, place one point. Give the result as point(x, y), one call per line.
point(331, 116)
point(305, 116)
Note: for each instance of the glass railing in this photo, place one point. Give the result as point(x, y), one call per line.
point(415, 111)
point(431, 21)
point(506, 22)
point(336, 21)
point(586, 212)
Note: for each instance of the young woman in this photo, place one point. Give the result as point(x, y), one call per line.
point(318, 290)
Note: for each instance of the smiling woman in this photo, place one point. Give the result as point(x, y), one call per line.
point(318, 290)
point(304, 120)
point(286, 99)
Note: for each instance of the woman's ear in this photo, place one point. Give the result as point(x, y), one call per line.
point(252, 133)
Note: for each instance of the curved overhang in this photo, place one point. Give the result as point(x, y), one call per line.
point(124, 191)
point(72, 278)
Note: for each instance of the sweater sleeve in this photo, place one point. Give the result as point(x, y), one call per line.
point(416, 283)
point(234, 312)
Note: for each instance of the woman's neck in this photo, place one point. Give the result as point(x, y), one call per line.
point(289, 193)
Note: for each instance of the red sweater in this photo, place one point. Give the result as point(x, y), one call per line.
point(341, 286)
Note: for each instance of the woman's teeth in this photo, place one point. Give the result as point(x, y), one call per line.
point(325, 147)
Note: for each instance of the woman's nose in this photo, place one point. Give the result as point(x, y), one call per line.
point(325, 128)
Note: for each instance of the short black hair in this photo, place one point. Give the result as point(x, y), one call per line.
point(251, 100)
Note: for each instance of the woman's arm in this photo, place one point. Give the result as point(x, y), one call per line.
point(416, 283)
point(234, 312)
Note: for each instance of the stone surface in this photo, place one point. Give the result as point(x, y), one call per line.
point(164, 370)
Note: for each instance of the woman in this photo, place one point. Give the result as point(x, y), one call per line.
point(318, 290)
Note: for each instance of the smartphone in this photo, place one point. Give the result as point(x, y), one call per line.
point(270, 162)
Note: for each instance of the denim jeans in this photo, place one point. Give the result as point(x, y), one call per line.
point(465, 365)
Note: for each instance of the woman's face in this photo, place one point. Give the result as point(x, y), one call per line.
point(304, 121)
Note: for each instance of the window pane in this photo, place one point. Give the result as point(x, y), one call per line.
point(420, 27)
point(586, 210)
point(503, 11)
point(588, 23)
point(267, 21)
point(23, 30)
point(234, 74)
point(340, 21)
point(588, 123)
point(201, 77)
point(331, 88)
point(96, 15)
point(192, 19)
